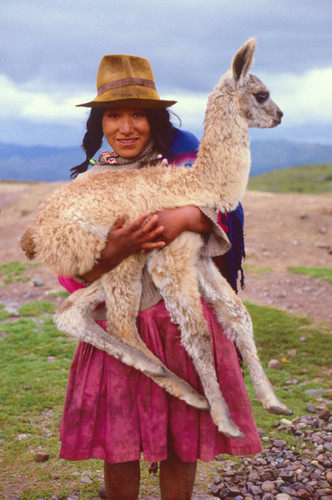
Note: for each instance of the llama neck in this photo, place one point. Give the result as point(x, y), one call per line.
point(223, 162)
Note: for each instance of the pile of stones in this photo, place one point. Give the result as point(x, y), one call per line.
point(283, 471)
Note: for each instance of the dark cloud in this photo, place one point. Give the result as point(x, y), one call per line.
point(190, 43)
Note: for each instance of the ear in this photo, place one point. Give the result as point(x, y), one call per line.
point(243, 59)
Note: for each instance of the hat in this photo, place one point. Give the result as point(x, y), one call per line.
point(124, 80)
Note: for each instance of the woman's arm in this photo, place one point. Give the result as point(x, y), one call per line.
point(177, 220)
point(160, 230)
point(123, 241)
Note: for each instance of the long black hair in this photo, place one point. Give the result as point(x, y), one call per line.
point(162, 132)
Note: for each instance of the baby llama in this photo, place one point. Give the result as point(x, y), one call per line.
point(71, 227)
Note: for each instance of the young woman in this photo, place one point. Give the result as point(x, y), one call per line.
point(112, 411)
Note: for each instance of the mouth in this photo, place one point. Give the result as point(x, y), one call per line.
point(126, 142)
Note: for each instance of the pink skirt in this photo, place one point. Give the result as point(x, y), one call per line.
point(113, 412)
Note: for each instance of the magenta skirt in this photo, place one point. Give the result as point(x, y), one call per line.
point(113, 412)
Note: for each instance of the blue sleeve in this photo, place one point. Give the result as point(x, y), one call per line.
point(183, 142)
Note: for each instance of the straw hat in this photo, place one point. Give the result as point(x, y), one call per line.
point(124, 80)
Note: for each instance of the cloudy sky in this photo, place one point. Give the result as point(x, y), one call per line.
point(50, 53)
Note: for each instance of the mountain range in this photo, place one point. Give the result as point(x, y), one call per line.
point(48, 164)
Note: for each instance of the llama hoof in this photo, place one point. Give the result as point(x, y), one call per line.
point(280, 410)
point(196, 400)
point(230, 430)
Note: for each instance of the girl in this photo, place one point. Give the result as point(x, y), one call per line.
point(112, 411)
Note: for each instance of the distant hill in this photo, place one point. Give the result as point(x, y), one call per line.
point(42, 163)
point(310, 179)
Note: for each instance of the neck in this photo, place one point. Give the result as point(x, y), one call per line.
point(223, 160)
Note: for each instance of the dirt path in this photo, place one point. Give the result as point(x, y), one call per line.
point(287, 230)
point(282, 230)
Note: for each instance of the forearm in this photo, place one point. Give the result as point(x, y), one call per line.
point(195, 220)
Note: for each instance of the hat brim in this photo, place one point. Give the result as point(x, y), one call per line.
point(129, 103)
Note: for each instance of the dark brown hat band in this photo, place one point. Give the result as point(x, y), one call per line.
point(124, 82)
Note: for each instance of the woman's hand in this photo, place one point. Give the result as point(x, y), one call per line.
point(122, 241)
point(177, 220)
point(147, 233)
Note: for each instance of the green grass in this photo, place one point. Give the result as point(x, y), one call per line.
point(311, 179)
point(250, 268)
point(35, 354)
point(13, 270)
point(3, 313)
point(323, 273)
point(37, 308)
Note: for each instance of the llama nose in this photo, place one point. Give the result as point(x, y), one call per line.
point(280, 114)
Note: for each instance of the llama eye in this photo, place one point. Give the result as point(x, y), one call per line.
point(261, 97)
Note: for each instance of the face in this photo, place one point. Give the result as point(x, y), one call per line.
point(127, 131)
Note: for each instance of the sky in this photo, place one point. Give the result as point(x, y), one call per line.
point(50, 53)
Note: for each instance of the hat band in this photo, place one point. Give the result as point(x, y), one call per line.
point(124, 82)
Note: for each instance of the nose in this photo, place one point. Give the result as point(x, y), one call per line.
point(280, 114)
point(126, 125)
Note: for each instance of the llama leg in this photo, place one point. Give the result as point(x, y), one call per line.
point(123, 293)
point(177, 281)
point(236, 321)
point(76, 318)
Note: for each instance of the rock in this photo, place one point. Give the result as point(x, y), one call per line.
point(267, 486)
point(292, 352)
point(217, 480)
point(283, 496)
point(102, 492)
point(315, 392)
point(51, 358)
point(311, 409)
point(274, 364)
point(42, 456)
point(38, 282)
point(86, 479)
point(27, 387)
point(324, 414)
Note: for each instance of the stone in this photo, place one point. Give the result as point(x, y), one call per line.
point(315, 392)
point(283, 496)
point(267, 486)
point(292, 352)
point(42, 456)
point(268, 496)
point(38, 282)
point(86, 479)
point(274, 364)
point(310, 409)
point(217, 480)
point(303, 494)
point(27, 387)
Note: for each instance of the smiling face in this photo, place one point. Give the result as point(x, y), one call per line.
point(127, 131)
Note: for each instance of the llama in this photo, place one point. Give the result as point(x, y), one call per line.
point(71, 227)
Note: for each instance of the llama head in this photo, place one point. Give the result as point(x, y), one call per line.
point(252, 96)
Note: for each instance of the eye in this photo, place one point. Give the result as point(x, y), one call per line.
point(139, 114)
point(111, 114)
point(261, 97)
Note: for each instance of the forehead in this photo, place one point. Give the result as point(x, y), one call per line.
point(255, 84)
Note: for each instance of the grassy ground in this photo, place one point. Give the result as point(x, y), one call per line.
point(323, 273)
point(314, 179)
point(35, 359)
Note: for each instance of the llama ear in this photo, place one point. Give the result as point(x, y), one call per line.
point(243, 59)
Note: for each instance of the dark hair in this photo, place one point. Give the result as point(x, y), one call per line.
point(162, 131)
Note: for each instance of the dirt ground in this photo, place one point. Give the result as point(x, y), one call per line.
point(282, 230)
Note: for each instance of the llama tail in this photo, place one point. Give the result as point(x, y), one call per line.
point(27, 243)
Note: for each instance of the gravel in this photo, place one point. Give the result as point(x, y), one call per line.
point(280, 472)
